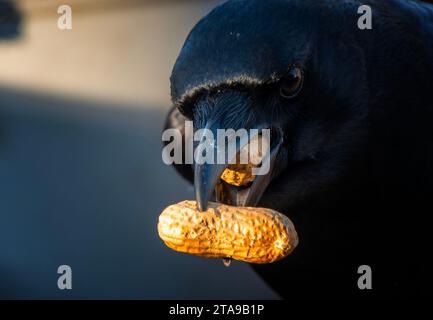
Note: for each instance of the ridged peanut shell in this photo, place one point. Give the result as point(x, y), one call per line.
point(254, 235)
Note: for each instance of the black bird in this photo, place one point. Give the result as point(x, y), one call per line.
point(351, 114)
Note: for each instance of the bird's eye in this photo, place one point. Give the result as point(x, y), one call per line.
point(291, 83)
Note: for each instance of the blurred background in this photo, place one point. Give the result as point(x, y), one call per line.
point(81, 177)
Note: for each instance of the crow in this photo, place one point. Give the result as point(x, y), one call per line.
point(351, 116)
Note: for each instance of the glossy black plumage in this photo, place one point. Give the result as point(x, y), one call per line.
point(355, 172)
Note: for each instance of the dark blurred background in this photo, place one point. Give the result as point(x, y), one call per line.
point(81, 177)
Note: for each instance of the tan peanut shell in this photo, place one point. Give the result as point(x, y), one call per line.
point(238, 175)
point(255, 235)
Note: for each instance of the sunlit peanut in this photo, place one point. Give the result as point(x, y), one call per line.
point(238, 175)
point(254, 235)
point(241, 174)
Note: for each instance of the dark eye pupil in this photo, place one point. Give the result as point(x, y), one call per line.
point(291, 84)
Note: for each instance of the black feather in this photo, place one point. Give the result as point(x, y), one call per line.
point(356, 174)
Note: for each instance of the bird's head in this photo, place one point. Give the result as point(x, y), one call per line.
point(267, 64)
point(350, 118)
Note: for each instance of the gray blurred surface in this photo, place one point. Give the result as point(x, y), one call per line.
point(118, 51)
point(83, 185)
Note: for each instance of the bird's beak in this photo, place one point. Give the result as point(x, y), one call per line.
point(209, 185)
